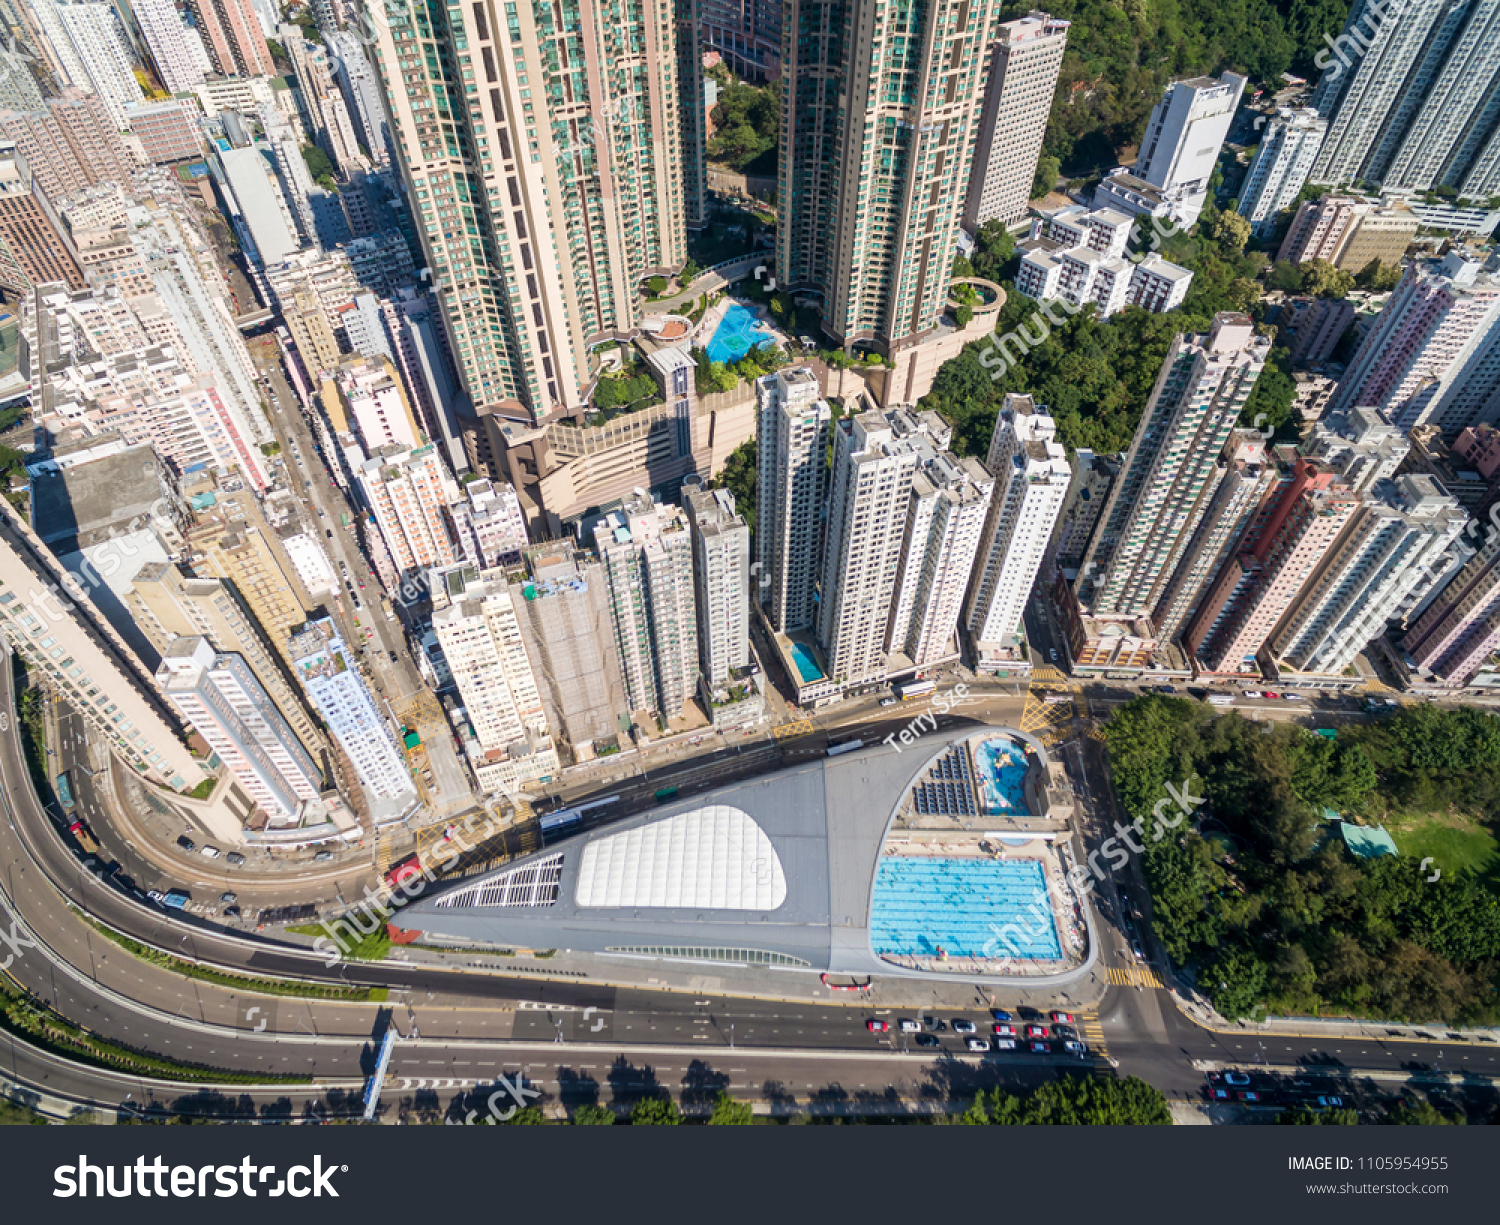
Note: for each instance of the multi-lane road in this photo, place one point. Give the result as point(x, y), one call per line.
point(463, 1026)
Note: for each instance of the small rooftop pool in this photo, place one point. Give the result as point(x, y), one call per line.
point(807, 666)
point(736, 335)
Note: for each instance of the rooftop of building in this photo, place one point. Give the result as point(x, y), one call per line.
point(112, 489)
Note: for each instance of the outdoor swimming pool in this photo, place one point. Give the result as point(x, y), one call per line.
point(980, 908)
point(1002, 775)
point(807, 667)
point(736, 335)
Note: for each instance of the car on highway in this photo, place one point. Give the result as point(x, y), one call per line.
point(1037, 1031)
point(228, 897)
point(186, 843)
point(1005, 1031)
point(1248, 1095)
point(1252, 693)
point(1329, 1101)
point(1275, 696)
point(961, 1026)
point(928, 1040)
point(909, 1026)
point(394, 657)
point(877, 1027)
point(934, 1024)
point(978, 1044)
point(1075, 1048)
point(322, 856)
point(1137, 951)
point(210, 852)
point(1064, 1031)
point(1005, 1044)
point(1236, 1078)
point(1000, 1014)
point(231, 912)
point(1053, 654)
point(235, 858)
point(1041, 1048)
point(1291, 697)
point(887, 701)
point(1062, 1018)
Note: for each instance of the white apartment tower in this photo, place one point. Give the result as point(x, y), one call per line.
point(1394, 549)
point(53, 625)
point(791, 489)
point(476, 622)
point(647, 553)
point(1171, 471)
point(1183, 137)
point(166, 36)
point(1025, 59)
point(721, 574)
point(1288, 147)
point(221, 697)
point(105, 53)
point(1360, 444)
point(945, 518)
point(1433, 356)
point(330, 675)
point(408, 490)
point(1032, 481)
point(876, 458)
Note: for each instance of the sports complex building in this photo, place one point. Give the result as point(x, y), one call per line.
point(946, 858)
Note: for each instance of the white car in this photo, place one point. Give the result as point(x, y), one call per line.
point(910, 1027)
point(209, 852)
point(978, 1044)
point(1252, 693)
point(1075, 1048)
point(1292, 697)
point(961, 1026)
point(1005, 1044)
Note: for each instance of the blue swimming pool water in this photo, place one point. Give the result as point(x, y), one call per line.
point(736, 335)
point(964, 907)
point(1002, 775)
point(807, 667)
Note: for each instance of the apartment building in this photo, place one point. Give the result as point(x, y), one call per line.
point(1288, 146)
point(792, 487)
point(721, 576)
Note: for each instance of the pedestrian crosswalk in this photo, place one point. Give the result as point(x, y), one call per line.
point(1093, 1036)
point(382, 854)
point(1134, 976)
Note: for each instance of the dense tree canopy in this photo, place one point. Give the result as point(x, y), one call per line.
point(1257, 896)
point(1071, 1101)
point(746, 120)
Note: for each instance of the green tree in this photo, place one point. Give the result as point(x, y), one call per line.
point(1228, 229)
point(591, 1114)
point(1414, 1112)
point(655, 1112)
point(1303, 1116)
point(994, 247)
point(527, 1116)
point(730, 1113)
point(690, 272)
point(1285, 276)
point(1377, 278)
point(1322, 280)
point(963, 315)
point(1048, 169)
point(1074, 1101)
point(738, 477)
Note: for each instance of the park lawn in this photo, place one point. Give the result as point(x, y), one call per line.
point(1454, 844)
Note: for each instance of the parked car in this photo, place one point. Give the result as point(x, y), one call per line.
point(961, 1026)
point(1075, 1048)
point(887, 701)
point(1269, 694)
point(909, 1026)
point(1252, 693)
point(1291, 697)
point(1062, 1018)
point(231, 912)
point(877, 1027)
point(1000, 1014)
point(1005, 1044)
point(228, 897)
point(186, 843)
point(210, 852)
point(978, 1044)
point(235, 858)
point(322, 856)
point(1137, 951)
point(1329, 1101)
point(1248, 1095)
point(1041, 1048)
point(1037, 1031)
point(1064, 1031)
point(1219, 1095)
point(1236, 1078)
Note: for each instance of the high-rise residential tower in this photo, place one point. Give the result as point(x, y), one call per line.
point(104, 51)
point(231, 32)
point(1293, 531)
point(880, 107)
point(1393, 551)
point(542, 148)
point(221, 697)
point(166, 37)
point(408, 491)
point(647, 553)
point(1025, 59)
point(1410, 93)
point(791, 488)
point(1461, 628)
point(1433, 356)
point(55, 627)
point(1032, 480)
point(1172, 470)
point(1288, 146)
point(1183, 137)
point(721, 573)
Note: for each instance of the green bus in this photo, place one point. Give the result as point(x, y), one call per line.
point(666, 793)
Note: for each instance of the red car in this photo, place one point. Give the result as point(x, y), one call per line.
point(877, 1027)
point(1037, 1031)
point(1063, 1018)
point(1005, 1031)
